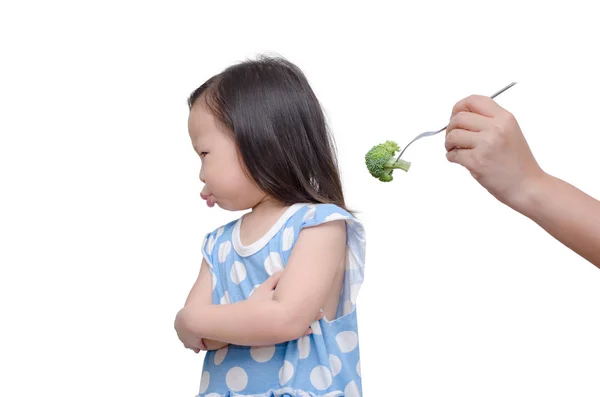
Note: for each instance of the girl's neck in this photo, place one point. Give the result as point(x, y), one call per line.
point(266, 206)
point(257, 223)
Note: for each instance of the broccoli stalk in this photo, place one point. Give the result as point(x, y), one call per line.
point(381, 161)
point(392, 164)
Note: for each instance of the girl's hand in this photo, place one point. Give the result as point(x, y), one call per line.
point(185, 335)
point(487, 140)
point(213, 344)
point(263, 292)
point(266, 290)
point(195, 343)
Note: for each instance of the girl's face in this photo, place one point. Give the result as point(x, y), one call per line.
point(225, 182)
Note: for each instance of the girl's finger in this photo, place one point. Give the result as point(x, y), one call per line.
point(308, 332)
point(272, 281)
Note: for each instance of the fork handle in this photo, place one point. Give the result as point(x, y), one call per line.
point(437, 132)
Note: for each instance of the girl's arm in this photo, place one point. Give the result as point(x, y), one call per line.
point(200, 295)
point(318, 256)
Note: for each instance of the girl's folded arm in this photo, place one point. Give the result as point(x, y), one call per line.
point(316, 259)
point(200, 295)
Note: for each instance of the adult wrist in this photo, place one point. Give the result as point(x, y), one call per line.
point(533, 193)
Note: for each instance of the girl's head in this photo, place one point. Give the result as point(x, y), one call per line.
point(261, 134)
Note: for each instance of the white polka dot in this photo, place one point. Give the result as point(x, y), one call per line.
point(224, 250)
point(316, 328)
point(225, 298)
point(210, 244)
point(347, 307)
point(204, 381)
point(273, 263)
point(320, 377)
point(214, 280)
point(335, 363)
point(262, 354)
point(335, 216)
point(351, 390)
point(236, 379)
point(288, 238)
point(213, 395)
point(310, 213)
point(286, 372)
point(238, 272)
point(358, 368)
point(354, 289)
point(347, 341)
point(220, 355)
point(220, 232)
point(304, 347)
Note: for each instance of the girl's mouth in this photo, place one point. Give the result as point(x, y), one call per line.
point(210, 199)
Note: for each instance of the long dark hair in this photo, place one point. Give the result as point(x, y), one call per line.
point(279, 128)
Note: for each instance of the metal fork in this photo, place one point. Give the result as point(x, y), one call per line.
point(431, 133)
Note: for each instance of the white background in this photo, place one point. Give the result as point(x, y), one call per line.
point(101, 220)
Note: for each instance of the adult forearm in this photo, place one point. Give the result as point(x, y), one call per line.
point(565, 212)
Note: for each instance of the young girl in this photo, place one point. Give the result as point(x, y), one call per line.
point(293, 263)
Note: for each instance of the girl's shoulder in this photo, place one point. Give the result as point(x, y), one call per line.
point(312, 215)
point(315, 214)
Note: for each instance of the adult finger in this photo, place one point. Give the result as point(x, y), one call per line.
point(468, 121)
point(461, 156)
point(482, 105)
point(461, 139)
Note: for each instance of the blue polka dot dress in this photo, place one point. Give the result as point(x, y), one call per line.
point(325, 363)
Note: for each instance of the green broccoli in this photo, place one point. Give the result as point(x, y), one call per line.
point(381, 161)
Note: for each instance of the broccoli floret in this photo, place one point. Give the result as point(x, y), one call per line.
point(381, 161)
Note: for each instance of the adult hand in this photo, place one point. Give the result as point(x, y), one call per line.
point(487, 140)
